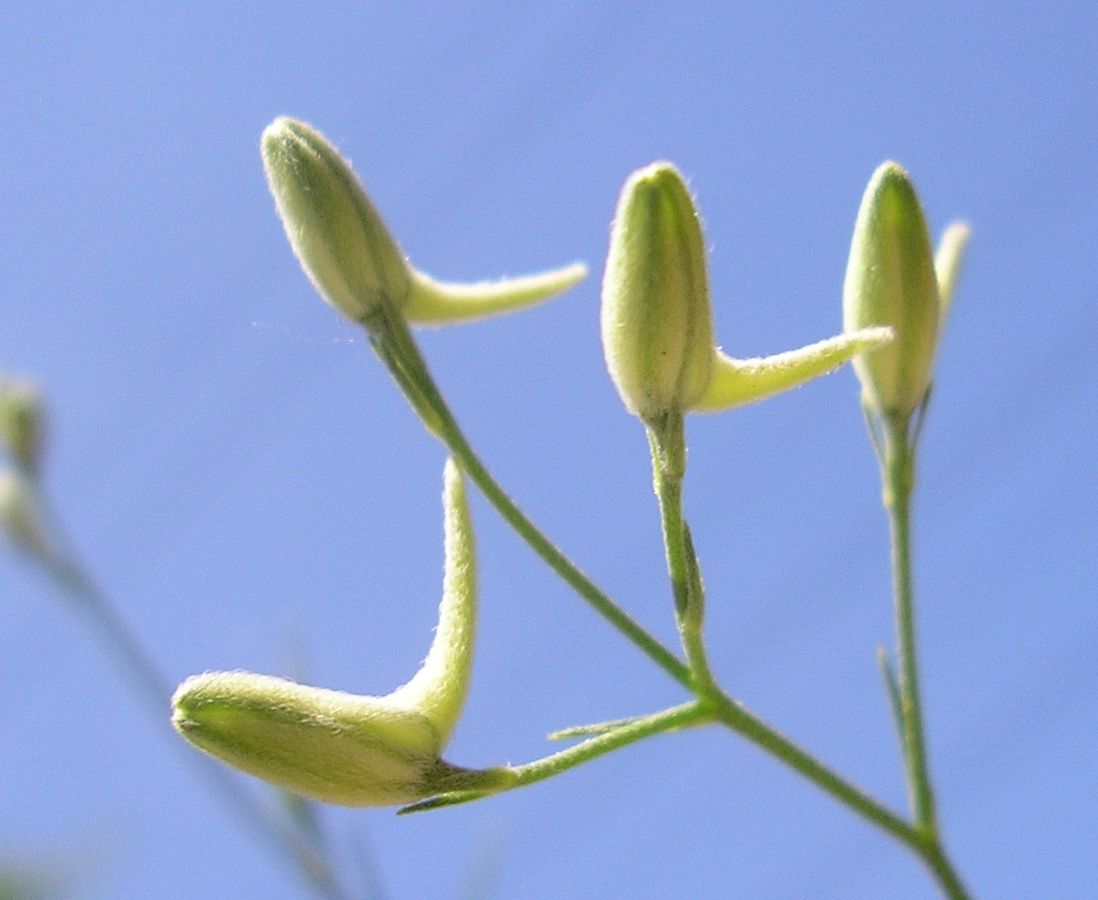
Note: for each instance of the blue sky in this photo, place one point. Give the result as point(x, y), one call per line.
point(252, 492)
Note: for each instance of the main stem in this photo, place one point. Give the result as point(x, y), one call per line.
point(734, 716)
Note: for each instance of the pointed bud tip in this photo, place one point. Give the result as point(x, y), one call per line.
point(280, 124)
point(890, 170)
point(660, 173)
point(275, 140)
point(891, 193)
point(285, 133)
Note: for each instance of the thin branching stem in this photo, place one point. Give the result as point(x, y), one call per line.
point(678, 717)
point(673, 719)
point(393, 343)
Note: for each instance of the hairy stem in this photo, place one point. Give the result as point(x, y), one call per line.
point(667, 441)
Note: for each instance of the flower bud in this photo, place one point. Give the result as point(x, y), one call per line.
point(657, 328)
point(21, 423)
point(348, 252)
point(345, 748)
point(891, 280)
point(339, 238)
point(328, 745)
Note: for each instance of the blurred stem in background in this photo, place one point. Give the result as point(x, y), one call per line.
point(34, 528)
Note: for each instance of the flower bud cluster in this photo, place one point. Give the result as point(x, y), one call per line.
point(658, 338)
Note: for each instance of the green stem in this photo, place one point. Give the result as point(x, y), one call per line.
point(899, 477)
point(677, 717)
point(738, 719)
point(393, 343)
point(942, 869)
point(562, 565)
point(688, 714)
point(897, 458)
point(391, 340)
point(668, 444)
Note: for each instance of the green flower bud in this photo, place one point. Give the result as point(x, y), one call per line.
point(22, 423)
point(328, 745)
point(657, 328)
point(345, 748)
point(348, 252)
point(337, 234)
point(891, 280)
point(332, 746)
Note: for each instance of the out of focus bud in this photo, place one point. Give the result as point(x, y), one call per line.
point(345, 748)
point(22, 423)
point(21, 516)
point(891, 280)
point(348, 252)
point(657, 328)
